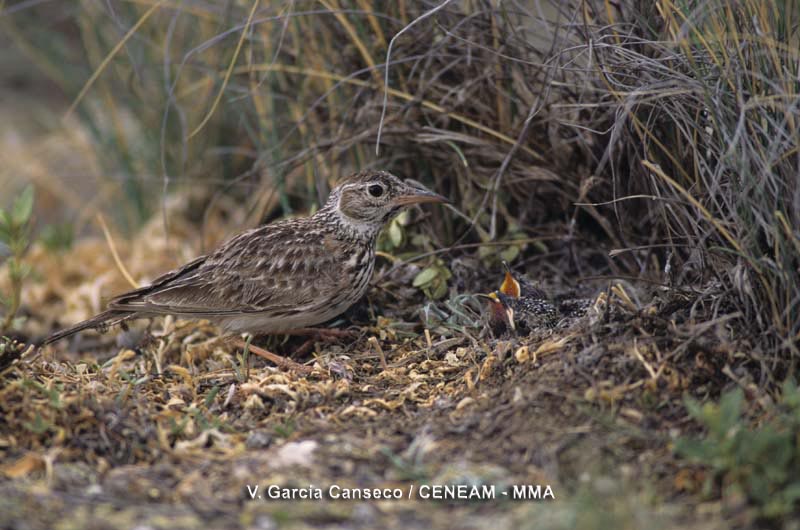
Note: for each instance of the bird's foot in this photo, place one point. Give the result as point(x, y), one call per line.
point(305, 348)
point(280, 362)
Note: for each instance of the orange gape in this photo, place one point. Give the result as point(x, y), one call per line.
point(510, 286)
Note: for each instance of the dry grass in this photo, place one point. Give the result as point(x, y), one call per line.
point(706, 124)
point(562, 122)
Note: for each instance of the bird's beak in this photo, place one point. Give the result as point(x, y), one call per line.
point(414, 195)
point(510, 286)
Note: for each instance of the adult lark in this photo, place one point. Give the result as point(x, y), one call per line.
point(282, 276)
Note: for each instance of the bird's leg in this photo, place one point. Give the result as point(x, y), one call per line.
point(281, 362)
point(304, 348)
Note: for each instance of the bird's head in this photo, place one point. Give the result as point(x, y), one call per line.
point(502, 314)
point(369, 199)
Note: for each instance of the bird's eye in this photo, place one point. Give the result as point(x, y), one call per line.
point(376, 190)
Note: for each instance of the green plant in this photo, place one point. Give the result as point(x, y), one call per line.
point(433, 280)
point(56, 237)
point(762, 463)
point(285, 429)
point(242, 366)
point(14, 232)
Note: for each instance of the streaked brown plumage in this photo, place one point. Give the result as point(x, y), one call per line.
point(282, 276)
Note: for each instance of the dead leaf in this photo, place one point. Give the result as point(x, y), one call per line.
point(23, 466)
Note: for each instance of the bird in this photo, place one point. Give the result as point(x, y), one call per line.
point(523, 313)
point(282, 276)
point(520, 305)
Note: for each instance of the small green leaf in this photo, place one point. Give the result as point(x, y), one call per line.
point(57, 236)
point(209, 400)
point(730, 409)
point(696, 450)
point(510, 254)
point(403, 219)
point(484, 252)
point(5, 221)
point(395, 235)
point(23, 207)
point(440, 290)
point(19, 271)
point(419, 241)
point(426, 276)
point(694, 407)
point(458, 151)
point(792, 492)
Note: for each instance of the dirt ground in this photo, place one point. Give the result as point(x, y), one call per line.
point(174, 427)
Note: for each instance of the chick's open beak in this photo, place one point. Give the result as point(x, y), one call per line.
point(510, 286)
point(414, 195)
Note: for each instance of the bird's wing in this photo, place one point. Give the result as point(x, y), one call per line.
point(271, 268)
point(162, 282)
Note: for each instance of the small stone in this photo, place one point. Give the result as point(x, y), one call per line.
point(258, 439)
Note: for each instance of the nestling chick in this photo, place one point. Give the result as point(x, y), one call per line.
point(520, 306)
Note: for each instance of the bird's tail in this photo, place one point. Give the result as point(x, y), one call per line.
point(104, 319)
